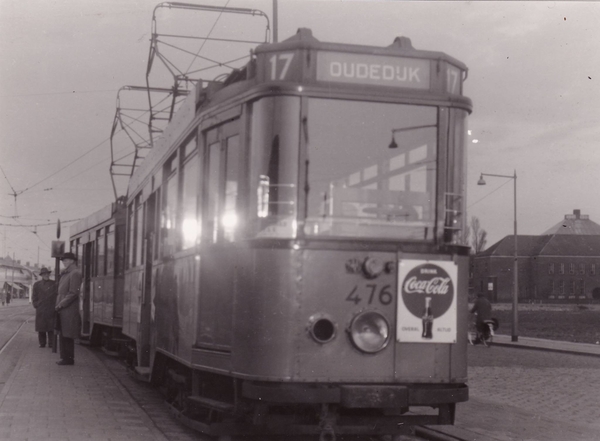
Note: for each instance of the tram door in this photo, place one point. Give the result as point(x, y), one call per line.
point(86, 256)
point(146, 306)
point(221, 176)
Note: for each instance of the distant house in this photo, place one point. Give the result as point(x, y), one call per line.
point(560, 265)
point(15, 278)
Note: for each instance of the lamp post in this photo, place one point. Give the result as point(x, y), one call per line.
point(515, 299)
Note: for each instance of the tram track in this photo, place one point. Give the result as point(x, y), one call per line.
point(7, 320)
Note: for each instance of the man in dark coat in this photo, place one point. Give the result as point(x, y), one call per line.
point(43, 299)
point(67, 306)
point(483, 309)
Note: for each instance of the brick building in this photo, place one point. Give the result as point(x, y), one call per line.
point(560, 265)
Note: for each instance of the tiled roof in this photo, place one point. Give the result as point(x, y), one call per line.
point(575, 235)
point(572, 245)
point(576, 223)
point(526, 246)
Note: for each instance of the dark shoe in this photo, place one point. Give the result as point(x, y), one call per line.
point(65, 362)
point(42, 346)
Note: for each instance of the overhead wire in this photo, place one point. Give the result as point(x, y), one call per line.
point(209, 33)
point(490, 193)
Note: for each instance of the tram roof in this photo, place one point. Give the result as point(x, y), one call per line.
point(217, 92)
point(401, 47)
point(95, 219)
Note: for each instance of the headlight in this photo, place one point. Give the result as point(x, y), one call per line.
point(321, 328)
point(370, 332)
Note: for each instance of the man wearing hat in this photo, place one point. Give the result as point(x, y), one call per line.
point(43, 299)
point(67, 306)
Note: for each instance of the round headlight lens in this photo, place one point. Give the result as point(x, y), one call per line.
point(370, 331)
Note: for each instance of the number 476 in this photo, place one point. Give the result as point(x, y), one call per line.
point(384, 295)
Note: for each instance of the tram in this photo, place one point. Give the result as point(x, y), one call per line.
point(292, 259)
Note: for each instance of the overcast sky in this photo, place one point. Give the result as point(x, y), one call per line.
point(534, 78)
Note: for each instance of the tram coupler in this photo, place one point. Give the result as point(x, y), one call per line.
point(327, 424)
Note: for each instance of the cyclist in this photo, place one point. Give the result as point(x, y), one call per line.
point(483, 309)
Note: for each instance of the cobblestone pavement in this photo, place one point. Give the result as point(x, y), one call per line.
point(518, 394)
point(45, 402)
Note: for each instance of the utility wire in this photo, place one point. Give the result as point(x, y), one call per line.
point(210, 32)
point(72, 162)
point(56, 93)
point(488, 195)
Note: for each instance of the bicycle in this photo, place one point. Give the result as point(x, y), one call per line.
point(487, 336)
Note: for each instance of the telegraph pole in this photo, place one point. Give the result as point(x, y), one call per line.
point(58, 249)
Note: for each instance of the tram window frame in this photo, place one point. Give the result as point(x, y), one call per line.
point(120, 249)
point(396, 195)
point(139, 231)
point(189, 192)
point(169, 207)
point(274, 167)
point(219, 153)
point(129, 251)
point(110, 249)
point(100, 261)
point(135, 218)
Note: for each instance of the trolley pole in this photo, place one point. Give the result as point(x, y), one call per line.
point(275, 21)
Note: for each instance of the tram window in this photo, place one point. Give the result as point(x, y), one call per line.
point(229, 219)
point(360, 183)
point(190, 171)
point(110, 249)
point(120, 249)
point(212, 195)
point(80, 255)
point(274, 166)
point(168, 220)
point(130, 236)
point(454, 202)
point(100, 256)
point(139, 229)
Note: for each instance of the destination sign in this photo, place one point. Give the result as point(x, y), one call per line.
point(378, 70)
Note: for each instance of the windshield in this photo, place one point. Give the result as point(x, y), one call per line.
point(371, 170)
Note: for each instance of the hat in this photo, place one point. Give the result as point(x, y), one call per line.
point(68, 256)
point(45, 270)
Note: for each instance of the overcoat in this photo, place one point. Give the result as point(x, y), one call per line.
point(67, 301)
point(43, 299)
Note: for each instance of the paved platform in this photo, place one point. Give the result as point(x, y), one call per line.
point(547, 345)
point(42, 401)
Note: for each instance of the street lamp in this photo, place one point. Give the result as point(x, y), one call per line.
point(515, 299)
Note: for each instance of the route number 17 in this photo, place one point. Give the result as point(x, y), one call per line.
point(280, 65)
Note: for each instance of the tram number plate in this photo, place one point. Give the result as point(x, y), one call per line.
point(371, 293)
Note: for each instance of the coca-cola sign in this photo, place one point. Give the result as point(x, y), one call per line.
point(428, 280)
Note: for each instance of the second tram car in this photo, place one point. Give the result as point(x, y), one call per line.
point(293, 260)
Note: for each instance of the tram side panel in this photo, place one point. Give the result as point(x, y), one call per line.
point(173, 299)
point(131, 303)
point(265, 314)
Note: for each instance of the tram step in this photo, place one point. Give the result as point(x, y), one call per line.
point(220, 406)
